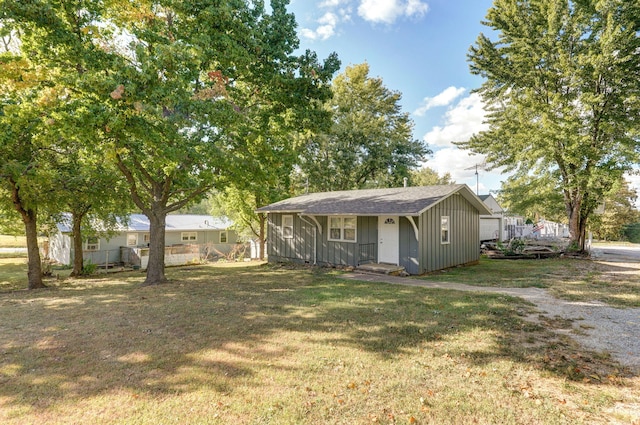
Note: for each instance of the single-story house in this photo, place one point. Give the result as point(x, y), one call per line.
point(187, 238)
point(491, 226)
point(422, 229)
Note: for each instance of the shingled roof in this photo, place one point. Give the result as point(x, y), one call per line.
point(402, 201)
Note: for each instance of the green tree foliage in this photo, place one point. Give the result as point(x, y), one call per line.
point(562, 88)
point(533, 198)
point(427, 176)
point(619, 212)
point(91, 190)
point(174, 88)
point(370, 142)
point(26, 95)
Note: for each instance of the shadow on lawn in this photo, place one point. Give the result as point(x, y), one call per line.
point(215, 327)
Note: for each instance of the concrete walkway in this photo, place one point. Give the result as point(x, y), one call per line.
point(602, 328)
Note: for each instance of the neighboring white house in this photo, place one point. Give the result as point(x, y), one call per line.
point(550, 229)
point(187, 238)
point(491, 226)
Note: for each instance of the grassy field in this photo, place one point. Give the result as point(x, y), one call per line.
point(257, 344)
point(617, 284)
point(13, 241)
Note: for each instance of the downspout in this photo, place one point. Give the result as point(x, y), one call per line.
point(315, 250)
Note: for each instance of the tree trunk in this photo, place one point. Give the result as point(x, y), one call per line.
point(29, 218)
point(34, 272)
point(78, 258)
point(583, 233)
point(573, 207)
point(155, 268)
point(263, 219)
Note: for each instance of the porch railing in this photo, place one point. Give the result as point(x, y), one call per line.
point(367, 253)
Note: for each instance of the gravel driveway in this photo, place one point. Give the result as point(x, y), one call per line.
point(602, 328)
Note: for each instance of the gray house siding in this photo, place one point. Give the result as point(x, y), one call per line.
point(298, 248)
point(301, 249)
point(464, 245)
point(409, 257)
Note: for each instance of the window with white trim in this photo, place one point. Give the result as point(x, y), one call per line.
point(146, 238)
point(444, 229)
point(223, 236)
point(343, 229)
point(287, 226)
point(92, 244)
point(189, 236)
point(132, 239)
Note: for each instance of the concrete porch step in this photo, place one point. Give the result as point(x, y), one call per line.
point(390, 269)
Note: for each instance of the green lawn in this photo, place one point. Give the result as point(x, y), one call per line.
point(617, 284)
point(256, 344)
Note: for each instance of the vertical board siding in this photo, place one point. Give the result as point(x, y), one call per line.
point(464, 234)
point(300, 248)
point(408, 247)
point(345, 253)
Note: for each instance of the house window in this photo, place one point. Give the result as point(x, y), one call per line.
point(146, 238)
point(223, 237)
point(287, 226)
point(132, 239)
point(93, 244)
point(343, 229)
point(189, 236)
point(444, 229)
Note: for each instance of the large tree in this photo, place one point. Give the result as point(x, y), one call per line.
point(427, 176)
point(174, 86)
point(26, 96)
point(616, 213)
point(562, 84)
point(370, 143)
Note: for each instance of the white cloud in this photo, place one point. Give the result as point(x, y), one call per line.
point(461, 122)
point(459, 163)
point(388, 11)
point(325, 30)
point(416, 8)
point(444, 98)
point(332, 3)
point(376, 11)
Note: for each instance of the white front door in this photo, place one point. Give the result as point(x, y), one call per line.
point(389, 239)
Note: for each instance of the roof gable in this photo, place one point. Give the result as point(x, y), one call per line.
point(404, 201)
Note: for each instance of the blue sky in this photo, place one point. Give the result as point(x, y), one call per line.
point(419, 48)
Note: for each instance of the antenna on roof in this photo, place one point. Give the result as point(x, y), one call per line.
point(480, 166)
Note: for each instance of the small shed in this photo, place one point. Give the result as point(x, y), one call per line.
point(491, 225)
point(422, 228)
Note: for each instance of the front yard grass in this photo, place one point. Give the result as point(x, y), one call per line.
point(270, 345)
point(616, 284)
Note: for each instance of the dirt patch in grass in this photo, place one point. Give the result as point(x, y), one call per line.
point(276, 345)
